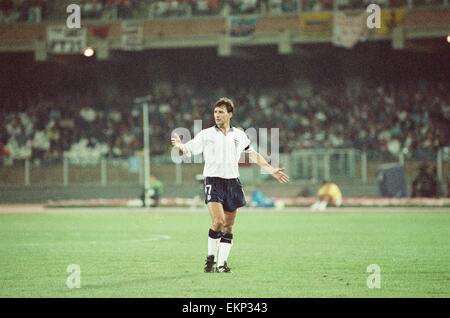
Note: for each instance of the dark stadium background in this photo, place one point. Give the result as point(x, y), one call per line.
point(138, 74)
point(367, 117)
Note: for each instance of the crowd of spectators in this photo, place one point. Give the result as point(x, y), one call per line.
point(166, 8)
point(109, 9)
point(188, 8)
point(386, 119)
point(36, 10)
point(24, 10)
point(49, 128)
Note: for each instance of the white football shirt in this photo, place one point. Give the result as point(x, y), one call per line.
point(221, 152)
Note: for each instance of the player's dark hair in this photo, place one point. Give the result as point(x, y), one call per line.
point(224, 101)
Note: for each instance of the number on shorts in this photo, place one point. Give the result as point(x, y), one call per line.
point(208, 189)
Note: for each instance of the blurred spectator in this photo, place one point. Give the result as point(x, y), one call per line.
point(425, 185)
point(92, 8)
point(275, 6)
point(259, 200)
point(436, 185)
point(248, 6)
point(328, 194)
point(4, 153)
point(448, 186)
point(154, 193)
point(8, 11)
point(304, 192)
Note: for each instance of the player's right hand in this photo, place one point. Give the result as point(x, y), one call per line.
point(175, 140)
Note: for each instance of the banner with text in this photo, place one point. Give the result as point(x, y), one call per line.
point(62, 40)
point(132, 35)
point(348, 30)
point(316, 22)
point(242, 26)
point(390, 18)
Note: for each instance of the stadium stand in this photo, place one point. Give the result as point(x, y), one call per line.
point(48, 126)
point(86, 116)
point(34, 11)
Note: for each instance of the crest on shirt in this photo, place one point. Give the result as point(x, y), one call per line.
point(236, 142)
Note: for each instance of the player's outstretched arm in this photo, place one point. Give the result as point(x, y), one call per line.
point(277, 173)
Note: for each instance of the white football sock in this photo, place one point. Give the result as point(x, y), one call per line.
point(213, 246)
point(224, 251)
point(224, 248)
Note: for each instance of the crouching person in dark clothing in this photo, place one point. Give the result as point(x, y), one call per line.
point(425, 185)
point(154, 192)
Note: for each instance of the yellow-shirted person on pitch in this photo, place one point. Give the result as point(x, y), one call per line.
point(329, 194)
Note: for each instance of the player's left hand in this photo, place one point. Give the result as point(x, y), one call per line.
point(280, 175)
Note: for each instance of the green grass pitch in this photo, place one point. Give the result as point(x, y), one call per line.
point(294, 253)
